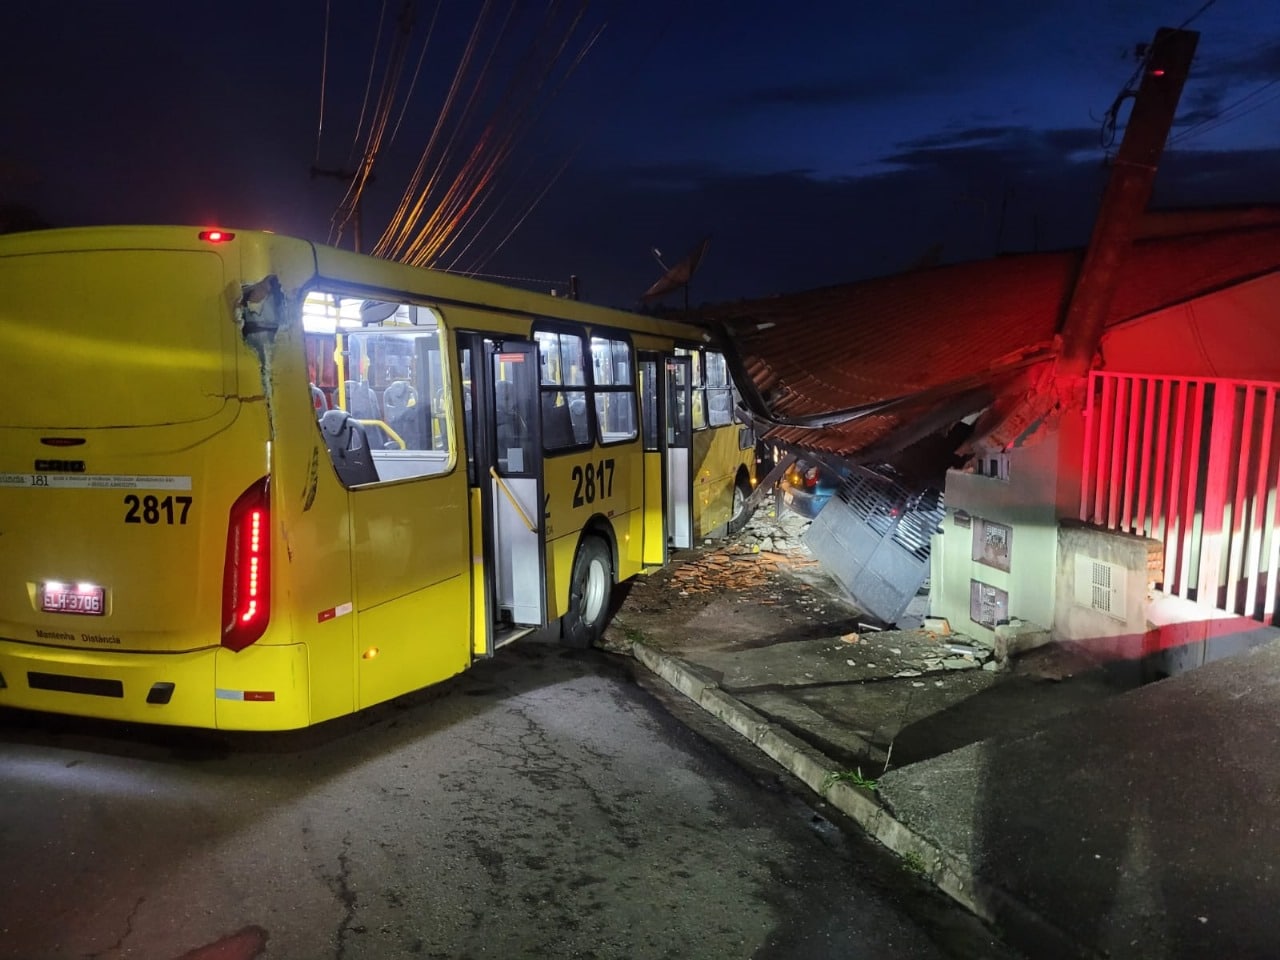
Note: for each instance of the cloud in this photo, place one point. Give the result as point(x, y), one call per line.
point(825, 93)
point(1009, 190)
point(1261, 64)
point(1007, 147)
point(789, 231)
point(950, 139)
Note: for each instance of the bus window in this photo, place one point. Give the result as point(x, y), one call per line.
point(468, 407)
point(678, 425)
point(386, 416)
point(512, 414)
point(649, 403)
point(719, 391)
point(699, 386)
point(613, 390)
point(564, 411)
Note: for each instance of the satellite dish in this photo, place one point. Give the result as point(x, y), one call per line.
point(679, 275)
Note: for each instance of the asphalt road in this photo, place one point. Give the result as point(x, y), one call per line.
point(542, 805)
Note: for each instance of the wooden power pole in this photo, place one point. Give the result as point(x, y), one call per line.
point(1165, 68)
point(1125, 200)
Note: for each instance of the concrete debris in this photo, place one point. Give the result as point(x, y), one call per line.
point(939, 625)
point(752, 567)
point(732, 568)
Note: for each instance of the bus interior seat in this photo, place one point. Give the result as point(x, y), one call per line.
point(557, 423)
point(578, 417)
point(319, 400)
point(348, 448)
point(362, 402)
point(400, 401)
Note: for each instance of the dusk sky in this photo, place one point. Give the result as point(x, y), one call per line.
point(815, 143)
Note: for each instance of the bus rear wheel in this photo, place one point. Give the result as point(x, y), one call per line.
point(590, 588)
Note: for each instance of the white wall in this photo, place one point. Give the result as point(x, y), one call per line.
point(1028, 503)
point(1230, 333)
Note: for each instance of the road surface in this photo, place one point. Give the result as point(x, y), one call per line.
point(541, 805)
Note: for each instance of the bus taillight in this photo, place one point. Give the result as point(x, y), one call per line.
point(246, 574)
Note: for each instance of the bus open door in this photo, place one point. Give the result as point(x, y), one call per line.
point(507, 471)
point(679, 451)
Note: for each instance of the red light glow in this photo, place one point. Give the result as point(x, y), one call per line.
point(216, 236)
point(247, 570)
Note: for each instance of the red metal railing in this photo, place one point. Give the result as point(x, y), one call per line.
point(1195, 464)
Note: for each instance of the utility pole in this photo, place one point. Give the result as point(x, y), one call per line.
point(1166, 64)
point(1125, 201)
point(348, 176)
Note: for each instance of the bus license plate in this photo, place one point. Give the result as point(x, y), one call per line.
point(81, 598)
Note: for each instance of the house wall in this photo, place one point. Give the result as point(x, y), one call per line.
point(1028, 503)
point(1116, 627)
point(1227, 334)
point(1222, 335)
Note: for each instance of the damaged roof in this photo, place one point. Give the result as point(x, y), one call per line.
point(862, 370)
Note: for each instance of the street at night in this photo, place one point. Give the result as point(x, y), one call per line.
point(639, 480)
point(541, 805)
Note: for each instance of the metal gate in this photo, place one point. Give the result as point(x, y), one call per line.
point(1193, 463)
point(873, 537)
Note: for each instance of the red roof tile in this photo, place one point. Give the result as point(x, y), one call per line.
point(844, 346)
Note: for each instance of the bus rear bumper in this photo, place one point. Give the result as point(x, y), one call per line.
point(259, 688)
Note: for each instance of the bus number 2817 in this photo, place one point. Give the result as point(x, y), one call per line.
point(592, 481)
point(149, 509)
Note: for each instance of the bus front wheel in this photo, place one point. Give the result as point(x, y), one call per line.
point(590, 588)
point(741, 494)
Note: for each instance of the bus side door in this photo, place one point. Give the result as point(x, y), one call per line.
point(652, 408)
point(515, 488)
point(679, 451)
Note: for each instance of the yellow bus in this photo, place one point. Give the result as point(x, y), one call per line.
point(250, 482)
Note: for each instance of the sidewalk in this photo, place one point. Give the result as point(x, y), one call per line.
point(1080, 817)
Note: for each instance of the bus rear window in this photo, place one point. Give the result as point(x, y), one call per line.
point(108, 338)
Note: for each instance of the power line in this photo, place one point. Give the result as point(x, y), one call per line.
point(631, 74)
point(394, 238)
point(1144, 52)
point(324, 72)
point(378, 123)
point(499, 276)
point(484, 169)
point(1194, 16)
point(416, 71)
point(1220, 119)
point(368, 84)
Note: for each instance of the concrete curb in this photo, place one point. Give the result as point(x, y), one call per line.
point(950, 874)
